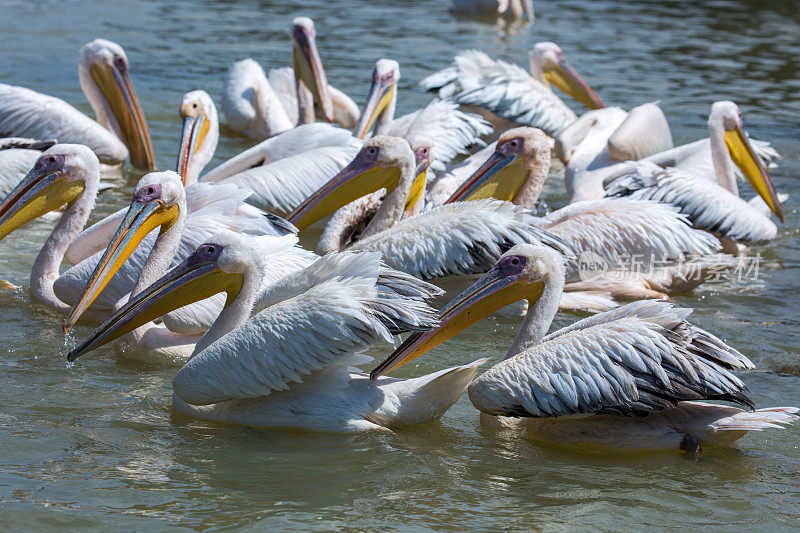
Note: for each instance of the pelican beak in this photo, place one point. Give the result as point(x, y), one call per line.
point(359, 178)
point(195, 129)
point(197, 278)
point(563, 76)
point(116, 86)
point(417, 188)
point(491, 181)
point(143, 216)
point(45, 188)
point(308, 69)
point(491, 292)
point(744, 156)
point(380, 96)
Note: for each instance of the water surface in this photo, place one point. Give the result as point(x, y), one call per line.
point(97, 444)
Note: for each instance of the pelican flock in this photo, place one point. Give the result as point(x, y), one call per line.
point(202, 268)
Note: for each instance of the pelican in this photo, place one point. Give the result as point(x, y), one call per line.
point(610, 230)
point(260, 108)
point(511, 94)
point(456, 239)
point(451, 130)
point(17, 156)
point(120, 129)
point(136, 255)
point(715, 207)
point(513, 9)
point(631, 378)
point(290, 365)
point(595, 144)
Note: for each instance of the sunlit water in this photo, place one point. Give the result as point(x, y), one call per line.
point(97, 444)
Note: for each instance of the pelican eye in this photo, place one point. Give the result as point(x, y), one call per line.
point(119, 63)
point(194, 106)
point(512, 265)
point(372, 150)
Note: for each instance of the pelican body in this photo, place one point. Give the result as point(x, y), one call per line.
point(290, 365)
point(637, 377)
point(715, 207)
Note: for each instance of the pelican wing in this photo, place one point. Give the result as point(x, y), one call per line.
point(316, 319)
point(26, 113)
point(707, 205)
point(514, 95)
point(630, 361)
point(457, 239)
point(452, 130)
point(283, 185)
point(625, 230)
point(469, 70)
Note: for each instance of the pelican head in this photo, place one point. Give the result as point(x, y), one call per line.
point(507, 174)
point(308, 65)
point(159, 201)
point(725, 116)
point(60, 176)
point(200, 134)
point(423, 155)
point(104, 77)
point(382, 95)
point(376, 166)
point(223, 264)
point(520, 274)
point(547, 58)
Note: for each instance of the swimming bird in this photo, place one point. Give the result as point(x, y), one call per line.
point(291, 364)
point(599, 141)
point(120, 129)
point(513, 9)
point(714, 207)
point(631, 378)
point(509, 94)
point(261, 107)
point(612, 231)
point(158, 231)
point(456, 239)
point(451, 130)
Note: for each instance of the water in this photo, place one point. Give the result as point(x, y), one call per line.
point(97, 444)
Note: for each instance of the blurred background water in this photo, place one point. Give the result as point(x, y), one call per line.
point(97, 444)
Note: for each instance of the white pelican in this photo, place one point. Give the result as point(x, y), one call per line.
point(455, 239)
point(513, 9)
point(156, 231)
point(17, 156)
point(510, 93)
point(630, 378)
point(451, 130)
point(608, 229)
point(290, 365)
point(120, 129)
point(259, 107)
point(593, 146)
point(714, 207)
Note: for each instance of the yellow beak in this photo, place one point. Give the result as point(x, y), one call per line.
point(197, 278)
point(359, 178)
point(195, 129)
point(497, 178)
point(379, 97)
point(42, 190)
point(118, 90)
point(308, 69)
point(139, 221)
point(744, 156)
point(491, 292)
point(563, 76)
point(417, 188)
